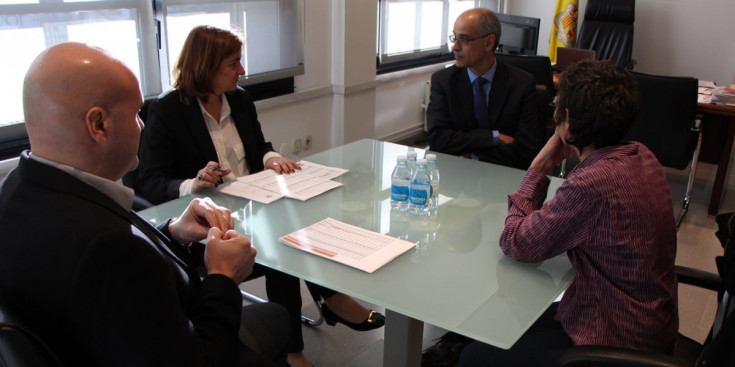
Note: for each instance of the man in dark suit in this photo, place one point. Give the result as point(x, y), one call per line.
point(94, 280)
point(479, 107)
point(483, 109)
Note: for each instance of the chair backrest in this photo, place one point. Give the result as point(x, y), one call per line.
point(20, 347)
point(608, 29)
point(720, 349)
point(667, 113)
point(538, 66)
point(568, 56)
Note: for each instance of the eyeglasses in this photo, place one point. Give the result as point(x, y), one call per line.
point(463, 39)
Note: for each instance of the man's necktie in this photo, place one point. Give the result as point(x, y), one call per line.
point(480, 102)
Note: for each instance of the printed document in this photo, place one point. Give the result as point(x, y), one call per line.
point(267, 186)
point(347, 244)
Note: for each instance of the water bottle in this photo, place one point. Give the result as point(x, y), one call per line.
point(400, 180)
point(420, 189)
point(412, 160)
point(433, 170)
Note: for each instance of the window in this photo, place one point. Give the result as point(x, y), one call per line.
point(415, 32)
point(147, 35)
point(272, 30)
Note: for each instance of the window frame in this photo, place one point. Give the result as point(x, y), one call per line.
point(386, 63)
point(151, 51)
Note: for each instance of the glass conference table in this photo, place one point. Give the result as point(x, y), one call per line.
point(456, 277)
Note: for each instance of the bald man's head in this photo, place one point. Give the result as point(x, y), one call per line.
point(78, 101)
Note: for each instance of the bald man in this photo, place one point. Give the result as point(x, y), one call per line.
point(91, 278)
point(494, 121)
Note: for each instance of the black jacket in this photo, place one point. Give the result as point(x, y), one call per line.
point(176, 143)
point(512, 110)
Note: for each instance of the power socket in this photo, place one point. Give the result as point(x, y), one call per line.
point(296, 146)
point(307, 142)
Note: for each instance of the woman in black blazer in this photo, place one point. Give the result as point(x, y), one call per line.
point(206, 131)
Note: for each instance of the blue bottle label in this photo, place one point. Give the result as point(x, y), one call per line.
point(418, 195)
point(399, 193)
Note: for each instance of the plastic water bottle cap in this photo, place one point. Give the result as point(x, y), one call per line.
point(401, 158)
point(430, 157)
point(421, 161)
point(411, 153)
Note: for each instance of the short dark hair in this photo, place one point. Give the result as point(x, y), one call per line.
point(602, 99)
point(204, 49)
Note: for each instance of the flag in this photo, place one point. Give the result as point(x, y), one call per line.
point(564, 27)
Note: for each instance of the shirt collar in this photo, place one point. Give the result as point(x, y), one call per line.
point(122, 195)
point(489, 75)
point(224, 110)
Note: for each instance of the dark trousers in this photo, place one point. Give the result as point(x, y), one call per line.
point(285, 290)
point(541, 345)
point(265, 335)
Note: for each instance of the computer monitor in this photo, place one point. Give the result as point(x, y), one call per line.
point(519, 34)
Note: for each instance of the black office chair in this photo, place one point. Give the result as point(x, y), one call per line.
point(540, 68)
point(21, 347)
point(668, 125)
point(717, 350)
point(608, 29)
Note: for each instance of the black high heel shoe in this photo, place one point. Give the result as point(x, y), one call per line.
point(373, 321)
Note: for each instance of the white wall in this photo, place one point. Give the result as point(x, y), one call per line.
point(686, 38)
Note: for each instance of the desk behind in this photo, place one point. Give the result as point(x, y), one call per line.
point(724, 158)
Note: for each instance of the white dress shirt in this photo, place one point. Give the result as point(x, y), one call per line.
point(230, 148)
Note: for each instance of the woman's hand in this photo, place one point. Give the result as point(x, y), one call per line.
point(208, 177)
point(282, 165)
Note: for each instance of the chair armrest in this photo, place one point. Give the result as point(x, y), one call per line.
point(593, 355)
point(699, 278)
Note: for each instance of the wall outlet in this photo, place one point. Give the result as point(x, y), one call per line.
point(296, 146)
point(307, 142)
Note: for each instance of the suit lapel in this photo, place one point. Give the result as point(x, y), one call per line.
point(247, 127)
point(461, 83)
point(194, 121)
point(239, 115)
point(498, 93)
point(58, 180)
point(161, 242)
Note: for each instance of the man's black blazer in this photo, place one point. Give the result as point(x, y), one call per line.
point(176, 144)
point(102, 287)
point(512, 110)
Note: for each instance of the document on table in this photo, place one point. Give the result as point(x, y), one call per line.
point(319, 170)
point(347, 244)
point(267, 186)
point(251, 192)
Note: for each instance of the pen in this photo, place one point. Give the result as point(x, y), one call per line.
point(220, 170)
point(216, 168)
